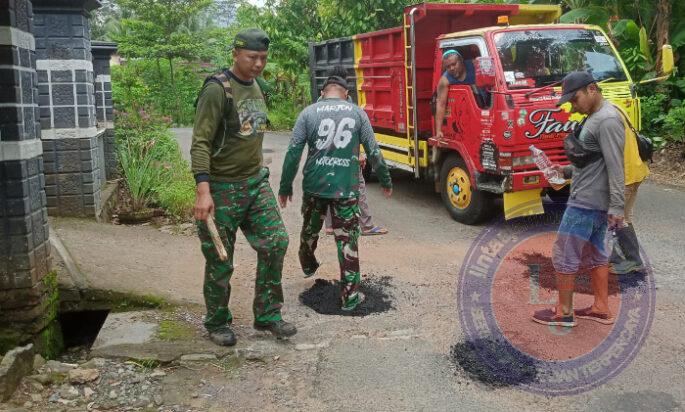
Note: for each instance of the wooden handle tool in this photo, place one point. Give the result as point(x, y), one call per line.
point(216, 239)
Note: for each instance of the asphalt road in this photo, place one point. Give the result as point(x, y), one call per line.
point(412, 357)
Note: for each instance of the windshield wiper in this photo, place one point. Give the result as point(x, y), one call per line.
point(539, 89)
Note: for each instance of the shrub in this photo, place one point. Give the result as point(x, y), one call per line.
point(146, 83)
point(141, 175)
point(282, 115)
point(674, 124)
point(152, 163)
point(652, 108)
point(177, 197)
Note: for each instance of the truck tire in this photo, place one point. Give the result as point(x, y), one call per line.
point(464, 203)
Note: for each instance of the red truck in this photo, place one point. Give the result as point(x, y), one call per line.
point(484, 152)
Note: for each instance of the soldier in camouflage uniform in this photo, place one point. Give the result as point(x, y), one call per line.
point(333, 128)
point(233, 185)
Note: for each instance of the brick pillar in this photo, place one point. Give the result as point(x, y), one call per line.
point(27, 291)
point(67, 106)
point(102, 54)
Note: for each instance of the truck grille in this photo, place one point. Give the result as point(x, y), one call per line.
point(556, 155)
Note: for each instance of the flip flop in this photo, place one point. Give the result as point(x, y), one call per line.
point(376, 230)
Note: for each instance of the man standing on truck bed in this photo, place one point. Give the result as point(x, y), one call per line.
point(457, 71)
point(333, 128)
point(233, 185)
point(597, 199)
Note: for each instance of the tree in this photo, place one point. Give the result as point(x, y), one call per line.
point(159, 29)
point(104, 21)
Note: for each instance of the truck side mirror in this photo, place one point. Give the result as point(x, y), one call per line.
point(666, 59)
point(485, 72)
point(666, 65)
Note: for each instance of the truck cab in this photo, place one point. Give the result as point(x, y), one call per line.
point(490, 125)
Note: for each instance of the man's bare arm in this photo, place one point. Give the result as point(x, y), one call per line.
point(441, 102)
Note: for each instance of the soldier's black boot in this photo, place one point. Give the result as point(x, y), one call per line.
point(630, 249)
point(280, 328)
point(223, 336)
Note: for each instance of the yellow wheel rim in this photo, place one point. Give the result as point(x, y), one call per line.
point(459, 188)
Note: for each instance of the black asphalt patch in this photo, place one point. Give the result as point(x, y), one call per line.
point(324, 297)
point(494, 362)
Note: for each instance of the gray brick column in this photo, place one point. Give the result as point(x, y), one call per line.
point(27, 291)
point(67, 106)
point(102, 54)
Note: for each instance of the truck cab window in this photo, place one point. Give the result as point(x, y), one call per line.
point(535, 58)
point(468, 53)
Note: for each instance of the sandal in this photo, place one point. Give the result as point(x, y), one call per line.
point(588, 313)
point(376, 230)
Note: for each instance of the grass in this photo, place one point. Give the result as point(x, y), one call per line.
point(145, 365)
point(128, 303)
point(171, 330)
point(178, 196)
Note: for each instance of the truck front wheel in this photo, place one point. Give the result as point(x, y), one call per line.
point(464, 203)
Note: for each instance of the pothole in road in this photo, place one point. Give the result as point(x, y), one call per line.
point(493, 362)
point(324, 297)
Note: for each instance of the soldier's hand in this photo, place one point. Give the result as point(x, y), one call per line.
point(283, 200)
point(387, 192)
point(204, 204)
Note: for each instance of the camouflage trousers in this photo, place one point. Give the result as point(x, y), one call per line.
point(345, 216)
point(251, 206)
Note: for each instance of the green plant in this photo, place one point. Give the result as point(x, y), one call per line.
point(145, 365)
point(652, 108)
point(142, 176)
point(143, 83)
point(152, 163)
point(674, 124)
point(178, 197)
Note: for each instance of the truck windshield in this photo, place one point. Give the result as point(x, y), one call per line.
point(535, 58)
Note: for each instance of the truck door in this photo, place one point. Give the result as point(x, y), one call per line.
point(465, 102)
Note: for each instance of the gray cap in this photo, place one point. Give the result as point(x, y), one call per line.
point(573, 82)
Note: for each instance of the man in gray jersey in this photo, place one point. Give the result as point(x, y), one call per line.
point(596, 200)
point(333, 129)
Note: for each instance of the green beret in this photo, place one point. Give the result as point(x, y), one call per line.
point(251, 39)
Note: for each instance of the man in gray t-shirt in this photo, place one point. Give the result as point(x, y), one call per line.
point(596, 200)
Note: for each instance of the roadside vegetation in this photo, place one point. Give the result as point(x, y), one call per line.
point(168, 48)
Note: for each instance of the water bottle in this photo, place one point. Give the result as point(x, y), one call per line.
point(545, 165)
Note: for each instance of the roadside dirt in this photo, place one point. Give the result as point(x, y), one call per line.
point(669, 166)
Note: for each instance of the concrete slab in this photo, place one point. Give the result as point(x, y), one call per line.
point(125, 329)
point(132, 335)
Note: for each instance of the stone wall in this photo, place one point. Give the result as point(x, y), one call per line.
point(27, 292)
point(102, 54)
point(71, 140)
